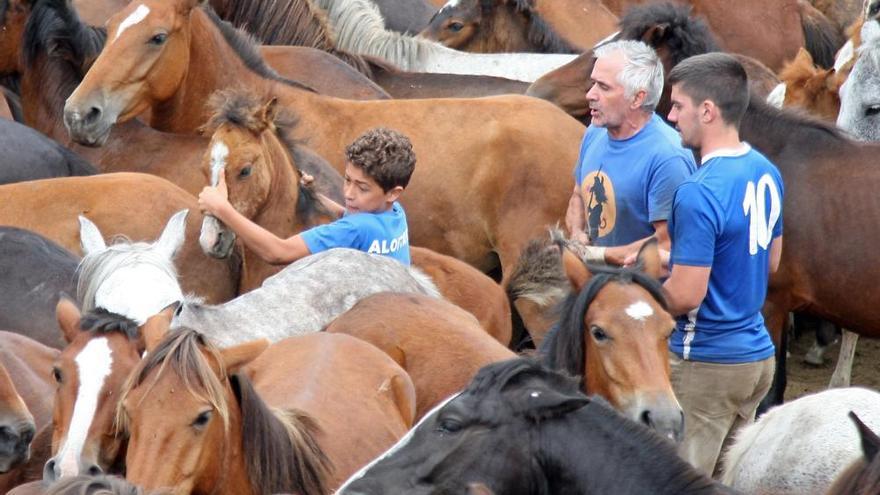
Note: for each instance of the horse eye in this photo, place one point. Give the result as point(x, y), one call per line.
point(448, 426)
point(56, 374)
point(598, 334)
point(455, 26)
point(245, 172)
point(158, 39)
point(201, 420)
point(872, 110)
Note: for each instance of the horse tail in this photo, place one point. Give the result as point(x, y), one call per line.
point(742, 444)
point(821, 37)
point(425, 282)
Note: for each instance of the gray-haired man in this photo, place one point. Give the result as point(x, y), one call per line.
point(630, 160)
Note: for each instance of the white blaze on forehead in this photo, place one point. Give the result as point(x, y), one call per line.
point(639, 310)
point(777, 96)
point(139, 14)
point(219, 153)
point(844, 55)
point(451, 4)
point(93, 365)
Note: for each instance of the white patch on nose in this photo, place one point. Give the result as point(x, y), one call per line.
point(219, 153)
point(139, 14)
point(776, 97)
point(639, 310)
point(93, 365)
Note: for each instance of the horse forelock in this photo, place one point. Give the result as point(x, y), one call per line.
point(538, 275)
point(184, 351)
point(241, 108)
point(97, 269)
point(279, 445)
point(101, 321)
point(563, 349)
point(685, 35)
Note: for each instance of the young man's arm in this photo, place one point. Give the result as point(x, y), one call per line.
point(686, 288)
point(775, 254)
point(268, 246)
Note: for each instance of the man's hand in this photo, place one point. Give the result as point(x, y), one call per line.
point(213, 199)
point(306, 180)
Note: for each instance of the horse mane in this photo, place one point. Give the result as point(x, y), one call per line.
point(90, 484)
point(182, 350)
point(563, 348)
point(57, 45)
point(288, 22)
point(821, 37)
point(540, 32)
point(95, 268)
point(497, 376)
point(789, 126)
point(684, 35)
point(360, 28)
point(100, 321)
point(246, 46)
point(281, 452)
point(800, 70)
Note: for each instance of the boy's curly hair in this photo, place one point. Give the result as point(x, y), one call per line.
point(385, 155)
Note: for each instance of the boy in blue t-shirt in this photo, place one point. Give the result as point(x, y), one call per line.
point(726, 233)
point(378, 167)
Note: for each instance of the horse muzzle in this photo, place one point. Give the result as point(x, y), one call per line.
point(215, 239)
point(88, 124)
point(15, 443)
point(660, 413)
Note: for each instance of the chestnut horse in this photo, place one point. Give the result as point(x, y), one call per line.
point(811, 88)
point(770, 31)
point(103, 349)
point(521, 25)
point(675, 35)
point(263, 182)
point(459, 142)
point(439, 345)
point(117, 202)
point(300, 416)
point(26, 387)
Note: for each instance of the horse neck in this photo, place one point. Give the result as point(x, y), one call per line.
point(213, 65)
point(506, 32)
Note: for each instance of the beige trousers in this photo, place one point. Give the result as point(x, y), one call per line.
point(717, 399)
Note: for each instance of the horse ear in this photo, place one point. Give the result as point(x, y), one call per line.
point(479, 489)
point(655, 33)
point(268, 112)
point(68, 316)
point(803, 56)
point(539, 401)
point(173, 235)
point(236, 357)
point(154, 330)
point(648, 259)
point(90, 237)
point(575, 269)
point(870, 440)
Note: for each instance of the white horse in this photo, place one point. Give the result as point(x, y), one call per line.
point(138, 280)
point(800, 447)
point(360, 28)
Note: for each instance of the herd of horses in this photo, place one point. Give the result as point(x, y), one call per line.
point(144, 340)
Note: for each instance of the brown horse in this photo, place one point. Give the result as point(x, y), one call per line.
point(439, 345)
point(492, 26)
point(26, 386)
point(103, 349)
point(811, 88)
point(675, 35)
point(254, 420)
point(459, 142)
point(770, 31)
point(613, 333)
point(116, 202)
point(402, 84)
point(270, 194)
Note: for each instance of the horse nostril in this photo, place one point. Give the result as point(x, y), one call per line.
point(94, 470)
point(50, 474)
point(645, 417)
point(93, 115)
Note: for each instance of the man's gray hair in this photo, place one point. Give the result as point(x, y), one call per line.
point(642, 70)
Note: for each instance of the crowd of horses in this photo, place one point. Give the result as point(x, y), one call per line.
point(144, 341)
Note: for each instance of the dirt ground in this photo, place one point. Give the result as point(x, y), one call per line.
point(804, 378)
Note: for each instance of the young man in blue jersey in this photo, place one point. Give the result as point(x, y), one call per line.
point(630, 160)
point(726, 232)
point(378, 167)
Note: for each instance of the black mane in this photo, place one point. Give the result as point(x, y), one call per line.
point(684, 35)
point(100, 321)
point(563, 348)
point(541, 33)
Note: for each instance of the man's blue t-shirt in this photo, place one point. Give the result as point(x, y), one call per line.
point(382, 233)
point(725, 217)
point(627, 184)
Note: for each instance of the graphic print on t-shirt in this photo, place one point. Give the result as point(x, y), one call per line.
point(598, 193)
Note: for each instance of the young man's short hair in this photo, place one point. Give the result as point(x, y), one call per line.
point(385, 155)
point(717, 77)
